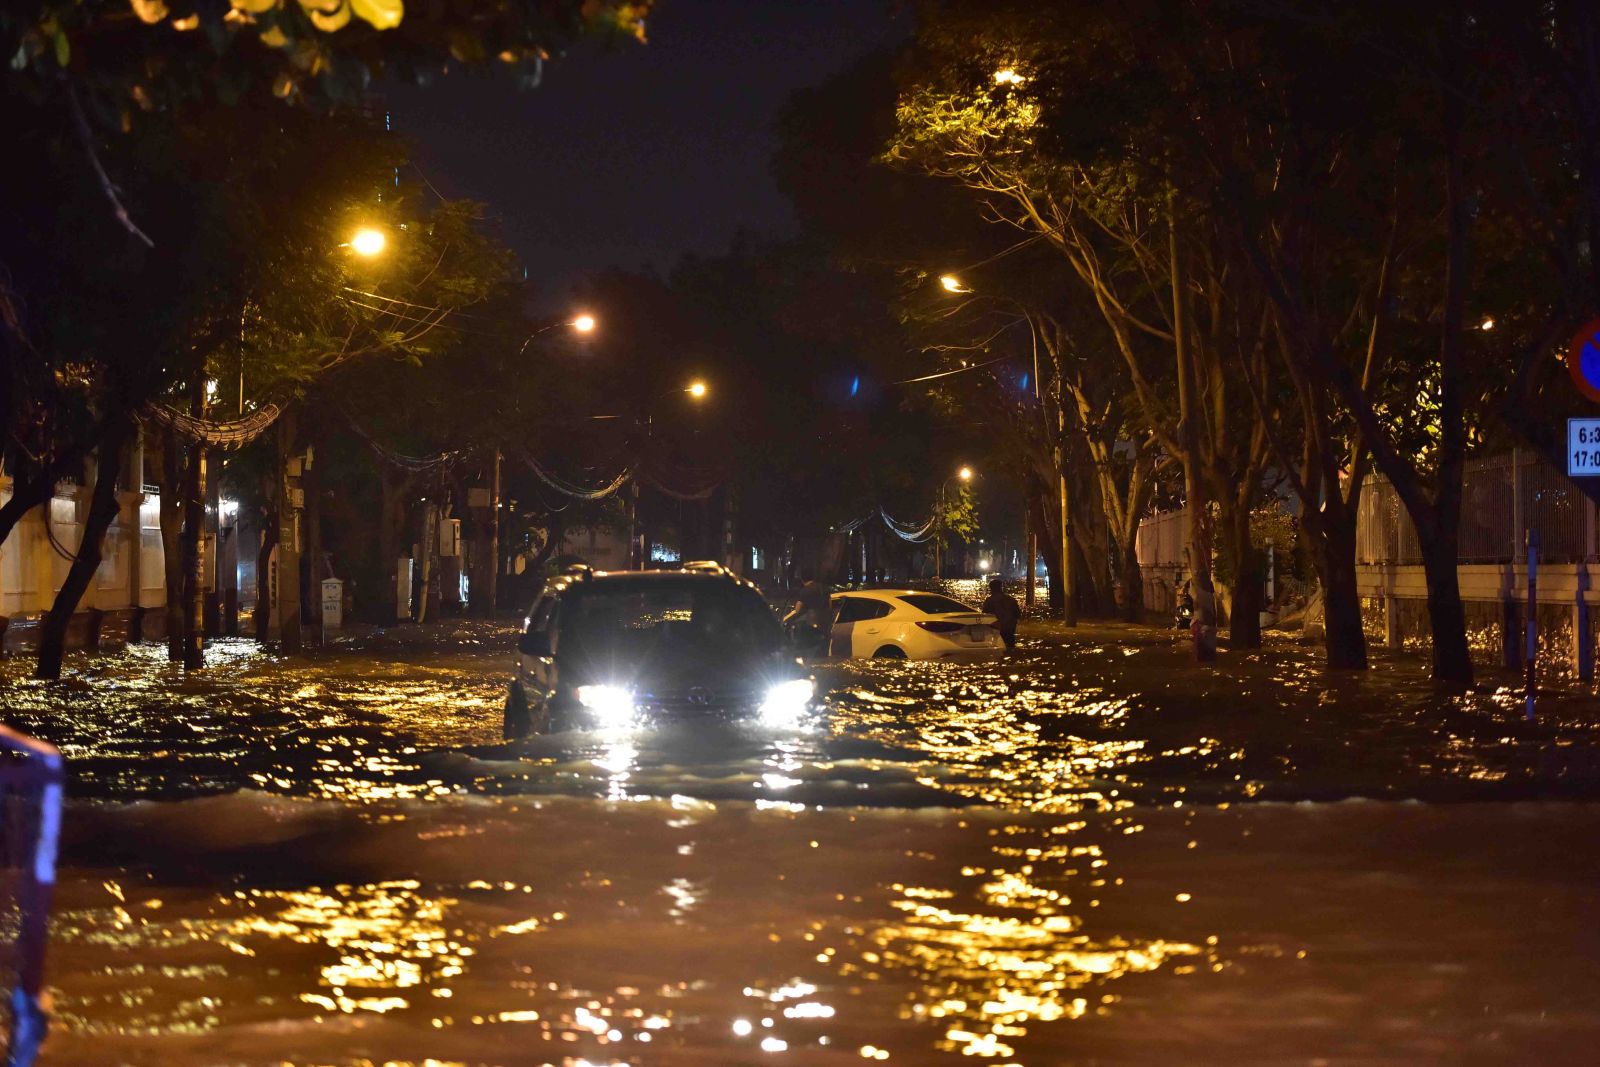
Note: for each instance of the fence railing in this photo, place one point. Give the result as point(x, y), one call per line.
point(31, 777)
point(1502, 497)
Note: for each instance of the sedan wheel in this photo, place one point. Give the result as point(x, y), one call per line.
point(889, 652)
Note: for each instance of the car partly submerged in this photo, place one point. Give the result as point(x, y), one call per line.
point(911, 624)
point(626, 649)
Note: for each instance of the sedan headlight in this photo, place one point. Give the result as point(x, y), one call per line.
point(612, 705)
point(787, 701)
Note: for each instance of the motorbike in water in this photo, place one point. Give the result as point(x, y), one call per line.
point(1183, 612)
point(804, 637)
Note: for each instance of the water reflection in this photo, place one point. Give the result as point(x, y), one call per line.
point(950, 860)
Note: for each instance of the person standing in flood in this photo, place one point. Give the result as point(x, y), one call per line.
point(1006, 611)
point(814, 609)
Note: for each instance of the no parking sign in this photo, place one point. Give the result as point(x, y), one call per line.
point(1583, 360)
point(1583, 435)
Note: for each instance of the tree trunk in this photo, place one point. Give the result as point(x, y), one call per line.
point(102, 511)
point(1091, 537)
point(1130, 582)
point(1197, 516)
point(1452, 658)
point(288, 572)
point(172, 479)
point(1249, 577)
point(1051, 553)
point(27, 493)
point(1344, 638)
point(192, 543)
point(269, 541)
point(426, 546)
point(391, 517)
point(311, 567)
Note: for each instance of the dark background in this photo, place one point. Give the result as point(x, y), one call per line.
point(628, 156)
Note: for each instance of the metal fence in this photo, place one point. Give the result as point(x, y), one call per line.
point(1503, 497)
point(1160, 540)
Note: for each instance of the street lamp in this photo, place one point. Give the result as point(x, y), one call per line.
point(697, 389)
point(965, 475)
point(1069, 609)
point(367, 242)
point(584, 323)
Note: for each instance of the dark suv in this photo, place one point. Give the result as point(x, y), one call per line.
point(632, 648)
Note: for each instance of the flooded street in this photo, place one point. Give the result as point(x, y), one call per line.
point(1090, 853)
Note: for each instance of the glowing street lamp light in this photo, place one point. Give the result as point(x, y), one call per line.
point(584, 324)
point(368, 242)
point(1007, 76)
point(697, 389)
point(965, 474)
point(952, 284)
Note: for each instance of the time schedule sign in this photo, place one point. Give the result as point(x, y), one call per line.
point(1583, 448)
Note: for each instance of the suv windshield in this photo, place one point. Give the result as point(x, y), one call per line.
point(694, 616)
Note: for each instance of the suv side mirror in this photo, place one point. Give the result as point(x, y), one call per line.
point(535, 643)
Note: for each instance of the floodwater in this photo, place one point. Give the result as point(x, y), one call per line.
point(1091, 853)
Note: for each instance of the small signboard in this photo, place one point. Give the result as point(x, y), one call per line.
point(1583, 360)
point(332, 603)
point(1583, 448)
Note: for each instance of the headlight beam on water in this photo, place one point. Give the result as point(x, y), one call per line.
point(786, 702)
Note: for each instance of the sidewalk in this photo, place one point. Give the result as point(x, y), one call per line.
point(1284, 653)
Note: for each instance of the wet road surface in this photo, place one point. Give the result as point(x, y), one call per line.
point(1090, 853)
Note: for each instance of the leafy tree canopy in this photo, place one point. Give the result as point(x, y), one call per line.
point(138, 55)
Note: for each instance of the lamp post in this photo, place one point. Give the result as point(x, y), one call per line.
point(965, 474)
point(950, 283)
point(638, 552)
point(484, 503)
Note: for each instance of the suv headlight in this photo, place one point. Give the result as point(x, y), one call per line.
point(612, 704)
point(787, 701)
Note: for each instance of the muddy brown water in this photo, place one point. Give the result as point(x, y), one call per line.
point(1090, 853)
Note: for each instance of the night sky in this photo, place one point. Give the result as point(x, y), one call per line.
point(631, 156)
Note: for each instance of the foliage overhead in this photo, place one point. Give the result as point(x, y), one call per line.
point(138, 55)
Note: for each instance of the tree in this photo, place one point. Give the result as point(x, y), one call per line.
point(77, 365)
point(972, 111)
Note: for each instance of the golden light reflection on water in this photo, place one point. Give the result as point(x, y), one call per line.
point(1007, 950)
point(979, 943)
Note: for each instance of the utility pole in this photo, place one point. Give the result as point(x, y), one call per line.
point(1069, 606)
point(193, 543)
point(290, 499)
point(494, 535)
point(1029, 551)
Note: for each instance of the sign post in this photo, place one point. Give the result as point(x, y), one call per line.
point(1533, 620)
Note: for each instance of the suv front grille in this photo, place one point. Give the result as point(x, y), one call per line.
point(697, 701)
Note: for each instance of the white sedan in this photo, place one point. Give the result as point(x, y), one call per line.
point(910, 624)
